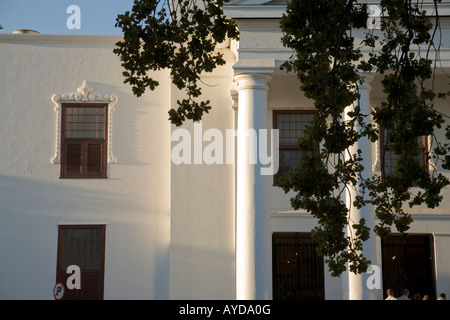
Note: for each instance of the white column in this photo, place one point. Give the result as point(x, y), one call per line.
point(366, 286)
point(253, 241)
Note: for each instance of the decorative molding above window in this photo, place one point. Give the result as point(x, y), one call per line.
point(84, 94)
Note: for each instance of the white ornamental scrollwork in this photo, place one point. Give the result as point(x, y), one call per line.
point(83, 94)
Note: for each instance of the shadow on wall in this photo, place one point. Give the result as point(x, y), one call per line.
point(38, 200)
point(141, 129)
point(30, 211)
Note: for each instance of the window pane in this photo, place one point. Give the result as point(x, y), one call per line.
point(390, 163)
point(288, 159)
point(85, 254)
point(391, 159)
point(84, 122)
point(291, 126)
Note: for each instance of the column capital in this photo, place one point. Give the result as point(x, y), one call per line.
point(252, 81)
point(366, 79)
point(253, 73)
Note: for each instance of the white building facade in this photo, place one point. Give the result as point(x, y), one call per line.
point(87, 178)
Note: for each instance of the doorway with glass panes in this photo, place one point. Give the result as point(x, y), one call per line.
point(82, 246)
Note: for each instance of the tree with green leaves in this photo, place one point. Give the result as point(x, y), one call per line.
point(176, 35)
point(158, 35)
point(326, 53)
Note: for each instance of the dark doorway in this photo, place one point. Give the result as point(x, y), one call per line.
point(297, 269)
point(408, 262)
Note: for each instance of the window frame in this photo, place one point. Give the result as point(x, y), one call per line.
point(84, 144)
point(275, 126)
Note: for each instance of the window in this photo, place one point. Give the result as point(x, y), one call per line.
point(83, 246)
point(291, 125)
point(78, 129)
point(298, 271)
point(389, 158)
point(83, 140)
point(408, 262)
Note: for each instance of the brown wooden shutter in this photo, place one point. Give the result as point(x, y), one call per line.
point(92, 286)
point(73, 158)
point(94, 158)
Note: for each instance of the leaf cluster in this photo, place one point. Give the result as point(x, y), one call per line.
point(179, 35)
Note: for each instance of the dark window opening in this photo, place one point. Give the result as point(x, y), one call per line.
point(298, 271)
point(408, 263)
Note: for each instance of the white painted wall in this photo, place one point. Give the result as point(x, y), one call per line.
point(202, 253)
point(134, 202)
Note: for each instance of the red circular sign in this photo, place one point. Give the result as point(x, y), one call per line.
point(58, 291)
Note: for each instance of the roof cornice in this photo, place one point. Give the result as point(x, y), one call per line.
point(263, 9)
point(60, 39)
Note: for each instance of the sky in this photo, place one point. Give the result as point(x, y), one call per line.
point(63, 16)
